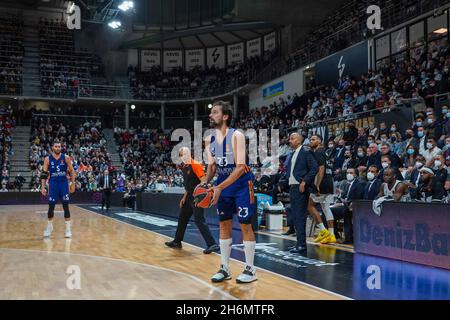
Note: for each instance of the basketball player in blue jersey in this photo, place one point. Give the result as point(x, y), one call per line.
point(233, 192)
point(56, 168)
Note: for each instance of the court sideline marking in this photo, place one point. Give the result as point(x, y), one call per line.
point(229, 296)
point(260, 268)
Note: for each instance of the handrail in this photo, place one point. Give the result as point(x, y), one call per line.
point(64, 115)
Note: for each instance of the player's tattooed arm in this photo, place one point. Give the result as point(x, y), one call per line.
point(44, 176)
point(71, 170)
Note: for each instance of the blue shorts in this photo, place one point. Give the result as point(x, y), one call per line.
point(242, 203)
point(58, 190)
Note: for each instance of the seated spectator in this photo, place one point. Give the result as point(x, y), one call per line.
point(392, 187)
point(430, 189)
point(372, 189)
point(353, 190)
point(431, 151)
point(440, 169)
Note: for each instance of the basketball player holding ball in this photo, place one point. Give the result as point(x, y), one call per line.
point(233, 193)
point(56, 168)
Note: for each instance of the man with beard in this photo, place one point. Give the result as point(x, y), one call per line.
point(56, 167)
point(323, 192)
point(233, 193)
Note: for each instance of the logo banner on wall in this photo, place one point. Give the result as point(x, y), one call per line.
point(215, 57)
point(236, 53)
point(352, 61)
point(149, 59)
point(270, 41)
point(194, 58)
point(254, 48)
point(172, 59)
point(273, 90)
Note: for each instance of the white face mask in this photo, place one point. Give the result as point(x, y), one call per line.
point(419, 165)
point(370, 176)
point(437, 163)
point(350, 177)
point(429, 145)
point(385, 165)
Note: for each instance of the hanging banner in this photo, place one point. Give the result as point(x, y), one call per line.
point(172, 59)
point(236, 53)
point(133, 57)
point(149, 59)
point(216, 57)
point(270, 41)
point(254, 48)
point(194, 58)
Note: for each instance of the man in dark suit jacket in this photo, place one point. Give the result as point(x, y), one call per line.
point(301, 171)
point(372, 188)
point(105, 185)
point(354, 190)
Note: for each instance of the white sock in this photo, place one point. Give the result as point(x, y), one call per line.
point(321, 226)
point(67, 224)
point(225, 251)
point(331, 230)
point(50, 222)
point(249, 248)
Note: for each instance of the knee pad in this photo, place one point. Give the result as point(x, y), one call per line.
point(51, 211)
point(66, 210)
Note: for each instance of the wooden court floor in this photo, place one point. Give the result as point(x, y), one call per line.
point(116, 260)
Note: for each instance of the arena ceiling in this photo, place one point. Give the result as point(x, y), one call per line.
point(199, 23)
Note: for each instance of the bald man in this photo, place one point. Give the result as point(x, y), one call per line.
point(193, 175)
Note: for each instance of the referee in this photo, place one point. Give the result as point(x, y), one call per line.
point(193, 175)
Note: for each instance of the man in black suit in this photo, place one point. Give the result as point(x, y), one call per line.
point(301, 170)
point(373, 187)
point(105, 185)
point(354, 190)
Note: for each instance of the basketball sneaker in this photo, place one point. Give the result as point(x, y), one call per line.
point(322, 235)
point(221, 275)
point(330, 239)
point(247, 276)
point(68, 232)
point(48, 230)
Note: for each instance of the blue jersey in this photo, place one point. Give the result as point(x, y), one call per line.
point(57, 168)
point(224, 157)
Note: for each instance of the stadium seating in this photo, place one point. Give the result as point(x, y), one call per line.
point(11, 55)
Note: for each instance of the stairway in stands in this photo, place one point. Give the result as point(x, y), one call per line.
point(20, 158)
point(111, 147)
point(31, 59)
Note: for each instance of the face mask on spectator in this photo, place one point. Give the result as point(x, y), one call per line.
point(420, 134)
point(393, 139)
point(430, 121)
point(444, 111)
point(370, 176)
point(429, 145)
point(410, 151)
point(419, 165)
point(429, 113)
point(385, 165)
point(331, 145)
point(393, 129)
point(437, 163)
point(448, 114)
point(361, 154)
point(369, 142)
point(350, 177)
point(419, 123)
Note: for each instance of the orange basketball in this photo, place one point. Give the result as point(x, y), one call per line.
point(202, 198)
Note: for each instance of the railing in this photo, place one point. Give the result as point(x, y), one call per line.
point(74, 120)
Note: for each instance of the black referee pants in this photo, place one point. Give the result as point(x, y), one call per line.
point(186, 212)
